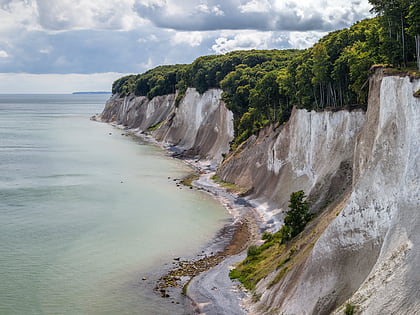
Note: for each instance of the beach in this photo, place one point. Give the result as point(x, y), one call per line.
point(203, 277)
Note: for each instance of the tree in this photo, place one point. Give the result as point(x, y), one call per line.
point(393, 16)
point(413, 18)
point(321, 71)
point(297, 217)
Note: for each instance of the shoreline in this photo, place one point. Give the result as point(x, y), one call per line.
point(190, 277)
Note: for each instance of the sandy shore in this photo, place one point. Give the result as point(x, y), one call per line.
point(205, 278)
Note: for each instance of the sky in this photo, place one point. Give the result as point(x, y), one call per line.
point(61, 46)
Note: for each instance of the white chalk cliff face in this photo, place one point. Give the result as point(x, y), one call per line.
point(201, 126)
point(369, 255)
point(312, 152)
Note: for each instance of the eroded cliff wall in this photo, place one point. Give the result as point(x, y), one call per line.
point(370, 253)
point(200, 126)
point(312, 152)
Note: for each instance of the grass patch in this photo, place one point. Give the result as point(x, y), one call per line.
point(155, 126)
point(187, 180)
point(185, 288)
point(349, 310)
point(277, 255)
point(278, 277)
point(232, 188)
point(417, 94)
point(284, 262)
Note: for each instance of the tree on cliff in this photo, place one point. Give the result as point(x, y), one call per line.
point(414, 27)
point(396, 17)
point(297, 217)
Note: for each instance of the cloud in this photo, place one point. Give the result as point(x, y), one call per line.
point(193, 39)
point(131, 36)
point(242, 40)
point(67, 15)
point(263, 15)
point(3, 54)
point(56, 83)
point(301, 40)
point(255, 6)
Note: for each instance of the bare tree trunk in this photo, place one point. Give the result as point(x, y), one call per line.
point(418, 50)
point(403, 40)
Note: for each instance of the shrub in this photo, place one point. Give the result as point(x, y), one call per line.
point(349, 309)
point(253, 250)
point(267, 236)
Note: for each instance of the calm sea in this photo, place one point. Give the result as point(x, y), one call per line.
point(86, 212)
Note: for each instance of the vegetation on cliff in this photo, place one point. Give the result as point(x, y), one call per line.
point(261, 87)
point(400, 30)
point(254, 267)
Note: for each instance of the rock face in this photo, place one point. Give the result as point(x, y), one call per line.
point(201, 126)
point(312, 152)
point(370, 254)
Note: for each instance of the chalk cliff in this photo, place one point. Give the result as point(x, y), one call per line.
point(313, 151)
point(369, 255)
point(200, 126)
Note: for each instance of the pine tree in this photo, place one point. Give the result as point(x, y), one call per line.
point(297, 217)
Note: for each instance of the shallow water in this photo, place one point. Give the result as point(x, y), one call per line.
point(85, 211)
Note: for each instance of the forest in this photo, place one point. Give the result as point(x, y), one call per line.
point(262, 86)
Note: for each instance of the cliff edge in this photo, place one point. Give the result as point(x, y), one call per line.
point(199, 127)
point(367, 256)
point(361, 170)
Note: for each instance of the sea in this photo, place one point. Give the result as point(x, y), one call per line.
point(89, 215)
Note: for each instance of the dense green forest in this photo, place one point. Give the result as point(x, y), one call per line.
point(261, 87)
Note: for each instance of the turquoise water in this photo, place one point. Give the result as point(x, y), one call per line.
point(85, 211)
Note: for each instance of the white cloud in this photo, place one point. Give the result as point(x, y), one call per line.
point(256, 6)
point(191, 38)
point(149, 38)
point(274, 15)
point(56, 83)
point(45, 51)
point(3, 54)
point(242, 40)
point(17, 15)
point(215, 10)
point(302, 40)
point(94, 14)
point(88, 36)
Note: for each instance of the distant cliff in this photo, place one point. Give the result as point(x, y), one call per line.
point(199, 127)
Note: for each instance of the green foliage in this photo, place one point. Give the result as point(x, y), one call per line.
point(261, 87)
point(234, 274)
point(267, 236)
point(155, 126)
point(399, 21)
point(297, 217)
point(158, 81)
point(188, 180)
point(252, 269)
point(253, 250)
point(349, 310)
